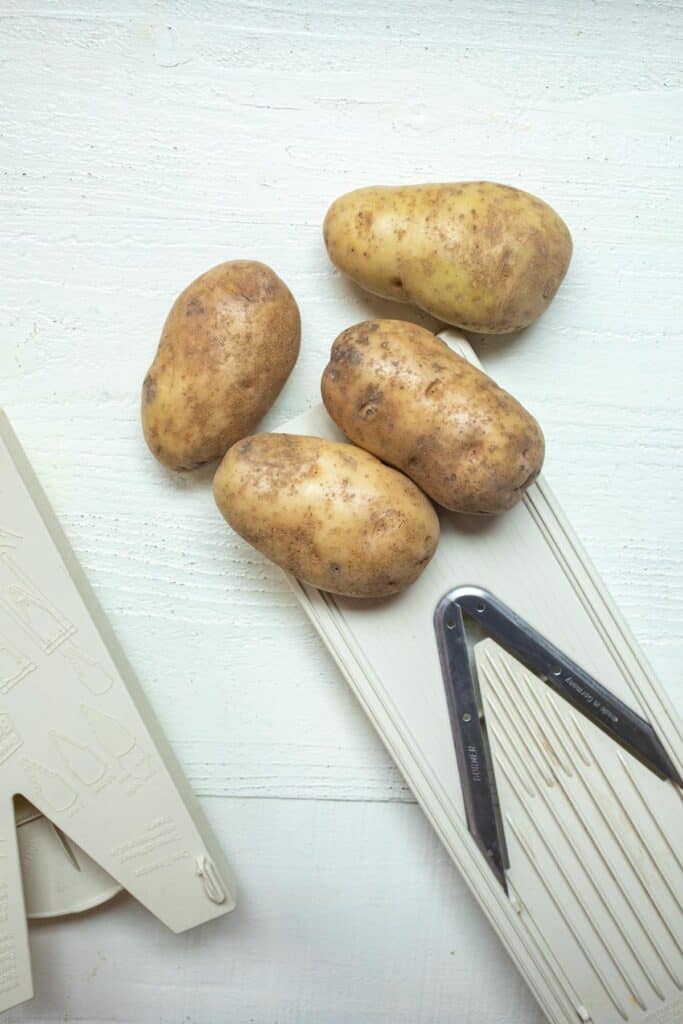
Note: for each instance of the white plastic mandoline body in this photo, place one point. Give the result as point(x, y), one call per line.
point(74, 743)
point(594, 918)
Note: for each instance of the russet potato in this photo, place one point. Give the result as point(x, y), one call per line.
point(227, 347)
point(329, 513)
point(400, 392)
point(483, 256)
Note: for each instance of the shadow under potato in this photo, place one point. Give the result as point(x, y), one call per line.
point(492, 345)
point(185, 479)
point(373, 307)
point(468, 524)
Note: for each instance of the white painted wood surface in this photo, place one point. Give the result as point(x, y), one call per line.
point(142, 143)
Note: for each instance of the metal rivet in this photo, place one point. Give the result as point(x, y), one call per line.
point(467, 717)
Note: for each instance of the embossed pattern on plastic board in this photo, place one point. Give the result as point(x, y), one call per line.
point(73, 739)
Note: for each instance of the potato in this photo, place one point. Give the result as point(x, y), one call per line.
point(227, 347)
point(329, 513)
point(482, 256)
point(403, 394)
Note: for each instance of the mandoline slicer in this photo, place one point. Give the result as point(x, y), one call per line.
point(547, 757)
point(104, 810)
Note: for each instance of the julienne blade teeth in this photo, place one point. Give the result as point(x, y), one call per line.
point(579, 860)
point(634, 861)
point(499, 731)
point(522, 723)
point(510, 730)
point(536, 865)
point(585, 909)
point(525, 738)
point(643, 803)
point(506, 760)
point(579, 740)
point(637, 872)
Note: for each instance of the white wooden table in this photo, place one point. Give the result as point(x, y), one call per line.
point(141, 143)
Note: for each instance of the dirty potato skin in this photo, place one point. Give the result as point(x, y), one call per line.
point(400, 392)
point(226, 349)
point(485, 257)
point(329, 513)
